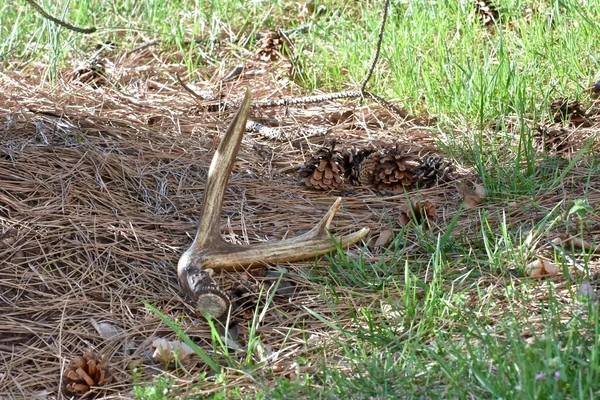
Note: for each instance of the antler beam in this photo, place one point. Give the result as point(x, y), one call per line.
point(209, 252)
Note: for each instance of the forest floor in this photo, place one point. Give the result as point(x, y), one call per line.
point(102, 173)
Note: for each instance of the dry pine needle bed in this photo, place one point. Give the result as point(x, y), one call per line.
point(99, 195)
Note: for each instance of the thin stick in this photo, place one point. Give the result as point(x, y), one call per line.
point(362, 93)
point(62, 23)
point(363, 85)
point(188, 89)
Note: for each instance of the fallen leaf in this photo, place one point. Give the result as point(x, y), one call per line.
point(472, 197)
point(166, 350)
point(384, 238)
point(105, 329)
point(418, 211)
point(540, 268)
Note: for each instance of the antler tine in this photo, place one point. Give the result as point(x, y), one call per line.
point(218, 176)
point(210, 252)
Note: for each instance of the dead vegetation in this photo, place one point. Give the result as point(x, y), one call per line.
point(99, 196)
point(100, 187)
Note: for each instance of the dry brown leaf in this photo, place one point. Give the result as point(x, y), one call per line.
point(418, 211)
point(540, 268)
point(582, 244)
point(384, 238)
point(166, 350)
point(472, 197)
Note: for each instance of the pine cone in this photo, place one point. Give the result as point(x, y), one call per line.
point(269, 47)
point(395, 169)
point(83, 372)
point(433, 169)
point(569, 110)
point(553, 139)
point(353, 166)
point(92, 73)
point(324, 170)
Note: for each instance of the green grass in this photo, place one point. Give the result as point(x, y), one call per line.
point(447, 321)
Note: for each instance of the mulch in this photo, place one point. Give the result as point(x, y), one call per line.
point(100, 188)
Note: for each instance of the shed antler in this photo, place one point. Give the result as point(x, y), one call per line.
point(210, 252)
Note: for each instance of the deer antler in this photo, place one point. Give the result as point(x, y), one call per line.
point(210, 252)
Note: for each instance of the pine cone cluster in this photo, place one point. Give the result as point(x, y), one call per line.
point(269, 47)
point(84, 372)
point(324, 170)
point(393, 168)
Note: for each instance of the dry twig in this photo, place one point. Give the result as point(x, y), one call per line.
point(57, 21)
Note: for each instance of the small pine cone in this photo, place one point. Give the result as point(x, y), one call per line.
point(269, 47)
point(552, 139)
point(569, 110)
point(92, 73)
point(84, 372)
point(432, 170)
point(395, 169)
point(324, 170)
point(353, 165)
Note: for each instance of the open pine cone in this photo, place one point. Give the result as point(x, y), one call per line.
point(394, 169)
point(269, 47)
point(84, 372)
point(552, 139)
point(324, 170)
point(432, 170)
point(353, 159)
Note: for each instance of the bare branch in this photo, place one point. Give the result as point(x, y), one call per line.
point(364, 82)
point(57, 21)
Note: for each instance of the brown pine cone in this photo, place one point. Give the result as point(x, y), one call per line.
point(552, 139)
point(573, 111)
point(324, 170)
point(432, 170)
point(355, 170)
point(84, 372)
point(269, 47)
point(395, 169)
